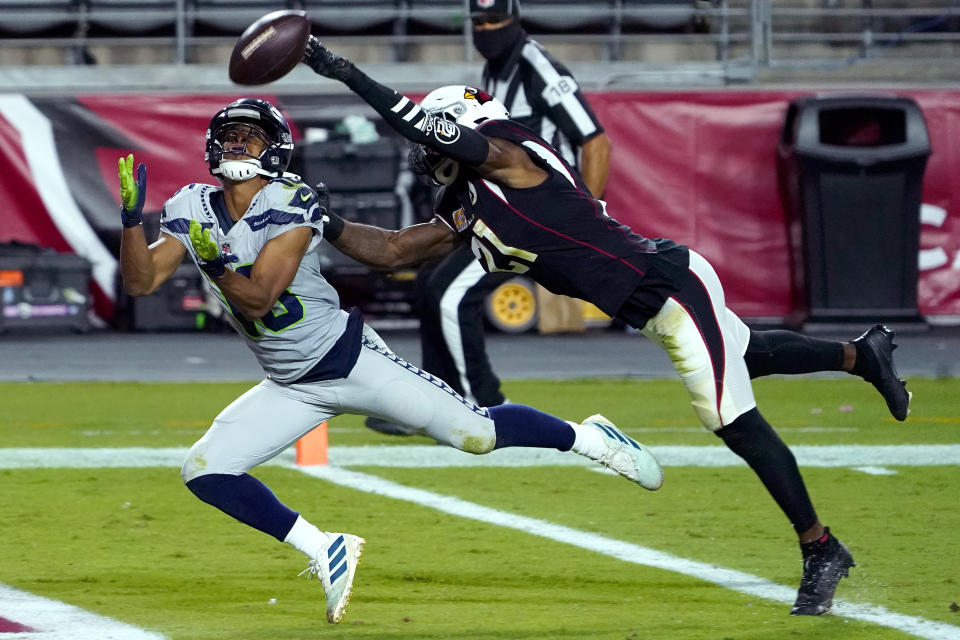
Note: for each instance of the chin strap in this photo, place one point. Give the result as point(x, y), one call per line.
point(241, 170)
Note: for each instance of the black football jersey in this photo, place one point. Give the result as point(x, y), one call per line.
point(558, 234)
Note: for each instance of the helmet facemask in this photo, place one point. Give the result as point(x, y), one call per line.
point(229, 152)
point(429, 165)
point(231, 142)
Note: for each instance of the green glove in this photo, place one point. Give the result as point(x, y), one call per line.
point(202, 244)
point(132, 193)
point(212, 262)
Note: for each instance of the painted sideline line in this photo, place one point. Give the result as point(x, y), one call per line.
point(436, 456)
point(628, 552)
point(55, 620)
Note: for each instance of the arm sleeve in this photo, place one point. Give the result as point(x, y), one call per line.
point(409, 120)
point(558, 95)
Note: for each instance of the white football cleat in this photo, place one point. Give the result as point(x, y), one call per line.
point(626, 456)
point(336, 565)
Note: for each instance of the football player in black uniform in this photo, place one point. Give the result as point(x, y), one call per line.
point(523, 209)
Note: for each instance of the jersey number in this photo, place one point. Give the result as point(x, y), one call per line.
point(485, 242)
point(562, 87)
point(274, 322)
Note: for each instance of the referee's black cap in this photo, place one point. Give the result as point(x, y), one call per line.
point(494, 8)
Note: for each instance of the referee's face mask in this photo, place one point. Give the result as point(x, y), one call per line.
point(494, 43)
point(496, 26)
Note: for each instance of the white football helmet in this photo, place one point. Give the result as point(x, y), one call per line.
point(464, 105)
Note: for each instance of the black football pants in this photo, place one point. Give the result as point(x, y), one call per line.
point(450, 297)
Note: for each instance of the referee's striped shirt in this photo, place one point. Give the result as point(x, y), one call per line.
point(542, 94)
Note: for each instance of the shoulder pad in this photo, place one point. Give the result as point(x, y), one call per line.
point(287, 180)
point(185, 193)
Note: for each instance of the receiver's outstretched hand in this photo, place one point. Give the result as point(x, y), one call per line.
point(132, 193)
point(325, 62)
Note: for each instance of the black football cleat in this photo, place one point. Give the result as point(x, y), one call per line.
point(824, 564)
point(388, 427)
point(875, 365)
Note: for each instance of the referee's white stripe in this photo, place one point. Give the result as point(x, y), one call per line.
point(569, 99)
point(450, 321)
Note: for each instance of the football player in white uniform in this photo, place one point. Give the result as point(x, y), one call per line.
point(256, 239)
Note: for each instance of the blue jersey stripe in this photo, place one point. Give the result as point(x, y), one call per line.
point(273, 216)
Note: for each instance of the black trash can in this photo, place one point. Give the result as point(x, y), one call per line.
point(851, 176)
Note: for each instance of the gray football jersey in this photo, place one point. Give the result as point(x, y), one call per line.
point(306, 320)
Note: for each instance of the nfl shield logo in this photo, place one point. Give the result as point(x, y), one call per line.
point(460, 219)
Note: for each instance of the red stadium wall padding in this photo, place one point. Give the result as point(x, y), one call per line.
point(695, 166)
point(700, 167)
point(23, 217)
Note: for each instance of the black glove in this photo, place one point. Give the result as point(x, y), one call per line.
point(325, 62)
point(323, 197)
point(332, 223)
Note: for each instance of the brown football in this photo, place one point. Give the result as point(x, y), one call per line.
point(270, 47)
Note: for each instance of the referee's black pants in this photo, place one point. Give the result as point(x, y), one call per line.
point(450, 297)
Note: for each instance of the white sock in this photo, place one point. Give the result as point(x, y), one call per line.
point(306, 538)
point(588, 441)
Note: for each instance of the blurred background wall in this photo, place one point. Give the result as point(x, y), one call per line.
point(694, 94)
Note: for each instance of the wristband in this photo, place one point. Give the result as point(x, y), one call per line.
point(332, 226)
point(130, 218)
point(216, 268)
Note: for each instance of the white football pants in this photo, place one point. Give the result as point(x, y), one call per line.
point(270, 417)
point(706, 342)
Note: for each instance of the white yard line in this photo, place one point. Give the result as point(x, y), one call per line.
point(54, 620)
point(850, 456)
point(727, 578)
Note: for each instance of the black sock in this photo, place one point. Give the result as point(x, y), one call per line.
point(789, 352)
point(815, 546)
point(754, 440)
point(861, 366)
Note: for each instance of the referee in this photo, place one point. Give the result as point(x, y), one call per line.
point(540, 93)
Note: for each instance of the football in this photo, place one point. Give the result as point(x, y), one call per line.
point(270, 47)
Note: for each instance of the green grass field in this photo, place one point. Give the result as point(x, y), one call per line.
point(134, 545)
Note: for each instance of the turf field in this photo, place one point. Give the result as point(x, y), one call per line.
point(483, 552)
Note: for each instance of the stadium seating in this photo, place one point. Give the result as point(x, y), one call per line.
point(435, 17)
point(353, 16)
point(26, 18)
point(208, 17)
point(657, 15)
point(111, 32)
point(131, 17)
point(580, 16)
